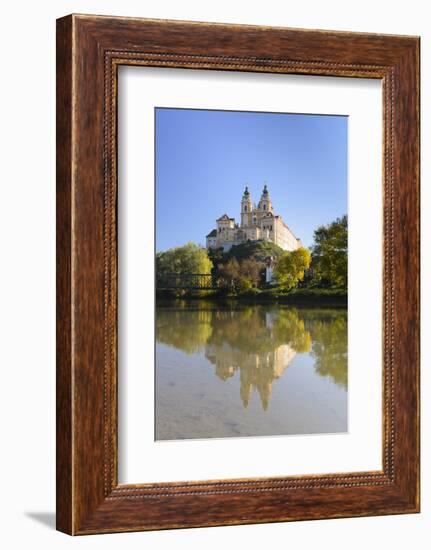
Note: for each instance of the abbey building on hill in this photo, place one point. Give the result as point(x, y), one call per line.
point(257, 223)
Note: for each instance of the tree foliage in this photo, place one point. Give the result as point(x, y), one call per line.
point(329, 253)
point(240, 275)
point(186, 259)
point(291, 267)
point(217, 256)
point(258, 249)
point(228, 273)
point(251, 270)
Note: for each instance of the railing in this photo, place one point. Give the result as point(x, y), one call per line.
point(189, 281)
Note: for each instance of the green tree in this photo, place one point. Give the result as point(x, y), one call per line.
point(257, 249)
point(186, 259)
point(291, 267)
point(217, 256)
point(329, 253)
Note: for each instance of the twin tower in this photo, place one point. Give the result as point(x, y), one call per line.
point(250, 213)
point(258, 222)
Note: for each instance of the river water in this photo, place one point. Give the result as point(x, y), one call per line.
point(249, 370)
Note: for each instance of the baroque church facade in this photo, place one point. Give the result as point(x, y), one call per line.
point(258, 222)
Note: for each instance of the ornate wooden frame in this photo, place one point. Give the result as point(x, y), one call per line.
point(89, 51)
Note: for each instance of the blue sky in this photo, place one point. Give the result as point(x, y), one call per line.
point(205, 158)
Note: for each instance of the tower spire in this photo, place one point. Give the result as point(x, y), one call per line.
point(265, 200)
point(246, 207)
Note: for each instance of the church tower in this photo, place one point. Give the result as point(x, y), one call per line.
point(265, 204)
point(246, 208)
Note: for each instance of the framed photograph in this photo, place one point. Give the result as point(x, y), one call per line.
point(237, 274)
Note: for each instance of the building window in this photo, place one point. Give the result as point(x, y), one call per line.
point(245, 208)
point(264, 206)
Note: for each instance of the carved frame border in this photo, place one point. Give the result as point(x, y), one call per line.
point(95, 502)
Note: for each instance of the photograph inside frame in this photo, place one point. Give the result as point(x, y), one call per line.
point(251, 260)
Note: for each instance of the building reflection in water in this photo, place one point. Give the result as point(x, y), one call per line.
point(257, 370)
point(258, 341)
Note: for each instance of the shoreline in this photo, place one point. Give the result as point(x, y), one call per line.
point(298, 298)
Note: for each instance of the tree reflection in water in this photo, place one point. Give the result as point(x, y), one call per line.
point(258, 341)
point(329, 335)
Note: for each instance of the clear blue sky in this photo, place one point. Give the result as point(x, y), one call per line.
point(205, 158)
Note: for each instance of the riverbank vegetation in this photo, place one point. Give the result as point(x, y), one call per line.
point(183, 260)
point(261, 270)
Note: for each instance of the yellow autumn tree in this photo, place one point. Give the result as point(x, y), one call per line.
point(291, 267)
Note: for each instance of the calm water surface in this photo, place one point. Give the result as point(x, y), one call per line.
point(236, 371)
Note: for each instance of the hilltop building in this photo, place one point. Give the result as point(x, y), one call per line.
point(258, 222)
